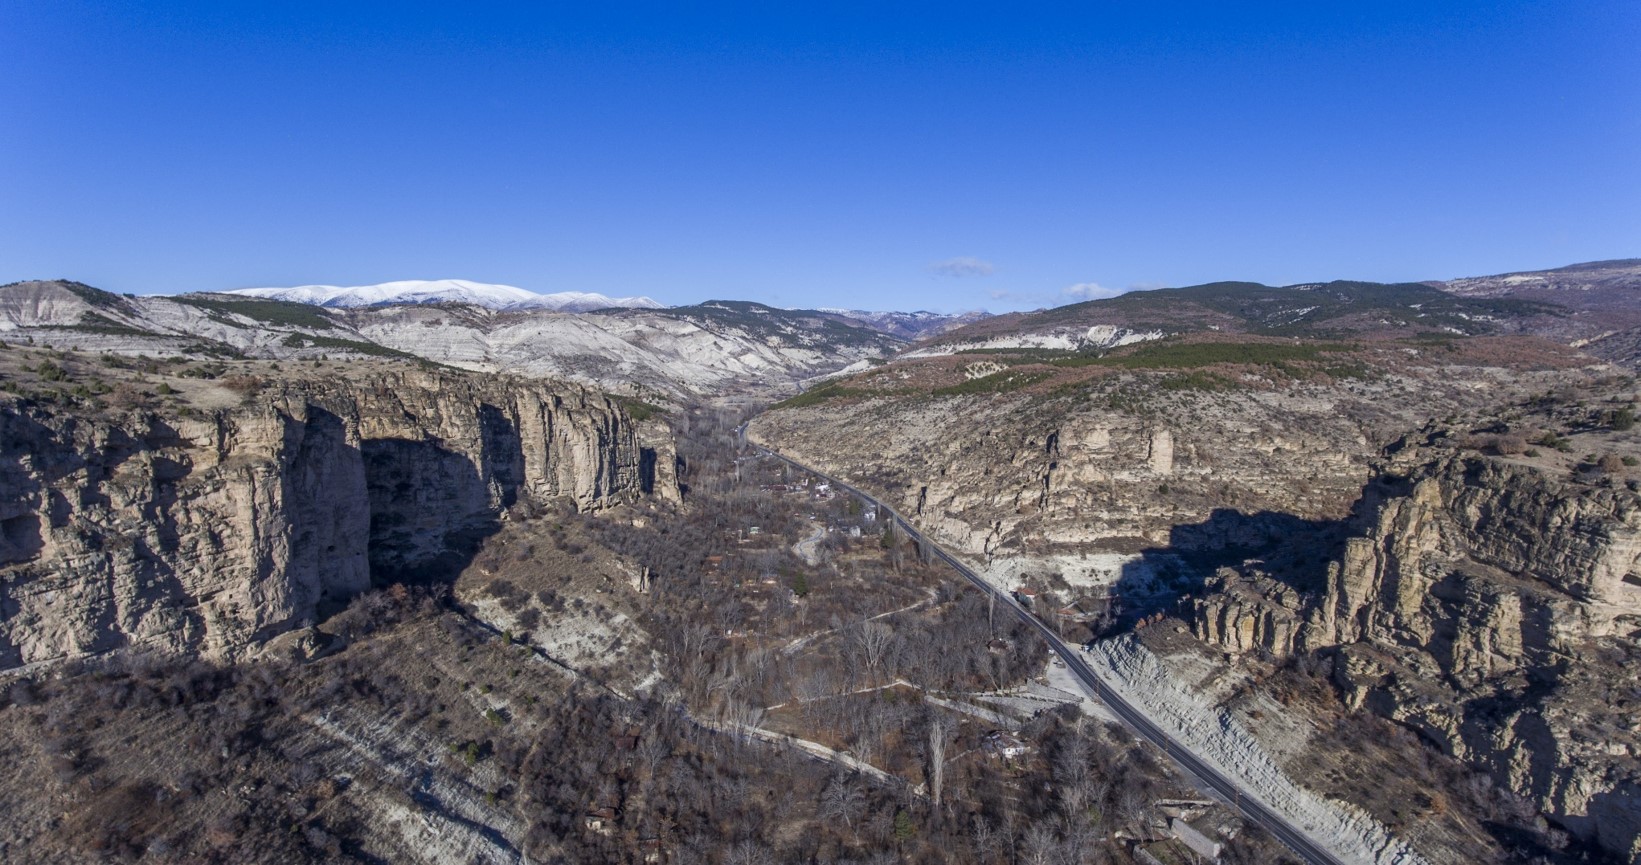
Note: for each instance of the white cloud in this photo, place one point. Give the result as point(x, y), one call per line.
point(962, 266)
point(1091, 291)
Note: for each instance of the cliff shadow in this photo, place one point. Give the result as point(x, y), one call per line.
point(20, 538)
point(502, 454)
point(1290, 549)
point(26, 441)
point(646, 470)
point(431, 508)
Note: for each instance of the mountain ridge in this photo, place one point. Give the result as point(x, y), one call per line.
point(674, 353)
point(418, 291)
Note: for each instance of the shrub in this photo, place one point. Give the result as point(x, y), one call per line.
point(820, 394)
point(1611, 464)
point(1551, 440)
point(1193, 355)
point(303, 340)
point(279, 312)
point(1622, 419)
point(997, 382)
point(244, 384)
point(640, 410)
point(1510, 445)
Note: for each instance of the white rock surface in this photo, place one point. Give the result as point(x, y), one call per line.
point(1219, 739)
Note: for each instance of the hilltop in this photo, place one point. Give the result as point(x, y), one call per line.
point(665, 354)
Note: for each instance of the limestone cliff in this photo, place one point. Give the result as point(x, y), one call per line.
point(1118, 464)
point(210, 531)
point(1491, 606)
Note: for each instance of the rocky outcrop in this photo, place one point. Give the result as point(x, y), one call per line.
point(1538, 560)
point(211, 531)
point(1245, 613)
point(1009, 474)
point(1493, 608)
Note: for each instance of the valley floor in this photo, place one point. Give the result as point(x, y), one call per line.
point(761, 675)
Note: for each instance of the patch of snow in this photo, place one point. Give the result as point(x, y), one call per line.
point(487, 295)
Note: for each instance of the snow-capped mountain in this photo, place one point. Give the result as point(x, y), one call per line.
point(584, 301)
point(445, 291)
point(680, 353)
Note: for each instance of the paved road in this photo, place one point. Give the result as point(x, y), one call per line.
point(1272, 822)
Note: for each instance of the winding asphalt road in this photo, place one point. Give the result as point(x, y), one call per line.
point(1272, 822)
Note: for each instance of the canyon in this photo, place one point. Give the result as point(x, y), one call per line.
point(1283, 515)
point(1443, 530)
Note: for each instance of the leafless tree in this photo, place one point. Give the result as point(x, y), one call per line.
point(653, 748)
point(1131, 805)
point(1081, 844)
point(841, 800)
point(1071, 775)
point(984, 838)
point(1040, 846)
point(749, 853)
point(739, 714)
point(939, 729)
point(874, 639)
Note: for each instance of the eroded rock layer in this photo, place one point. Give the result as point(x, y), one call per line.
point(211, 531)
point(1492, 607)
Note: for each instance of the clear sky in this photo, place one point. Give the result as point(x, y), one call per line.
point(929, 156)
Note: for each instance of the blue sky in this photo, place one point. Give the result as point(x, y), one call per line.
point(925, 156)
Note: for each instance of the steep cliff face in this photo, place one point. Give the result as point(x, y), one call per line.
point(1109, 469)
point(210, 531)
point(1493, 607)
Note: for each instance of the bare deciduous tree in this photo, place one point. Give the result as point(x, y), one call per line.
point(842, 801)
point(1040, 845)
point(984, 838)
point(939, 729)
point(874, 639)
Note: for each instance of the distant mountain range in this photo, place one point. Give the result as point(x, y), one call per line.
point(507, 298)
point(1595, 307)
point(500, 297)
point(729, 348)
point(908, 325)
point(684, 352)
